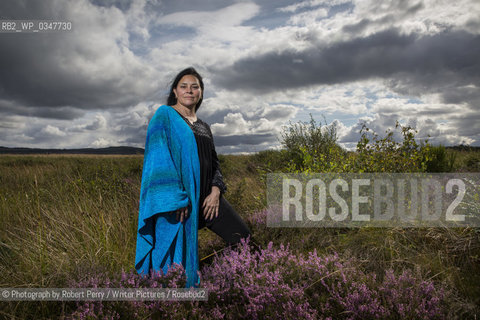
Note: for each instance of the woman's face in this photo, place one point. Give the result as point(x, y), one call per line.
point(188, 91)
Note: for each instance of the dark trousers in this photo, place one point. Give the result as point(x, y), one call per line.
point(228, 225)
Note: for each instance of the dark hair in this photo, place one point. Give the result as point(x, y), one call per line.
point(172, 100)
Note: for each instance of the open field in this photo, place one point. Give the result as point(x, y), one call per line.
point(64, 217)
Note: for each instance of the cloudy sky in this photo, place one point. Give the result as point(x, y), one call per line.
point(264, 63)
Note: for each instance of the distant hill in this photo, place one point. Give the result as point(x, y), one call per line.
point(132, 150)
point(109, 150)
point(463, 147)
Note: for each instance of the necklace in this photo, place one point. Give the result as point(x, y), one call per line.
point(189, 119)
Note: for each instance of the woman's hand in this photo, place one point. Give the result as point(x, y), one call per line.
point(211, 203)
point(182, 214)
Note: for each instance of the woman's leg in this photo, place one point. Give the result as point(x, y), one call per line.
point(228, 225)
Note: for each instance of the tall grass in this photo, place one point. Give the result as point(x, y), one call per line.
point(61, 216)
point(64, 218)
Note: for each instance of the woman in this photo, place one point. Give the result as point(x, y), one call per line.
point(182, 185)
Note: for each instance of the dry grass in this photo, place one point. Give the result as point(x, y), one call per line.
point(63, 216)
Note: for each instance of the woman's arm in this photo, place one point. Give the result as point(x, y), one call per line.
point(211, 203)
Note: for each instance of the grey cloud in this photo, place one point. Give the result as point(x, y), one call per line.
point(460, 128)
point(136, 136)
point(9, 122)
point(170, 6)
point(28, 10)
point(279, 113)
point(62, 113)
point(396, 10)
point(123, 5)
point(250, 139)
point(36, 134)
point(378, 125)
point(97, 124)
point(395, 111)
point(216, 117)
point(357, 27)
point(272, 113)
point(9, 107)
point(458, 94)
point(415, 63)
point(467, 124)
point(32, 75)
point(54, 70)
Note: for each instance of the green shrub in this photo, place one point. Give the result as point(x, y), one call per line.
point(310, 147)
point(440, 160)
point(472, 162)
point(375, 154)
point(313, 148)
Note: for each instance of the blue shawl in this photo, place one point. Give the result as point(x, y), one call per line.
point(170, 181)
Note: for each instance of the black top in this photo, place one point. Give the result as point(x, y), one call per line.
point(210, 174)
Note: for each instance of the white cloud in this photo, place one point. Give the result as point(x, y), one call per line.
point(11, 122)
point(232, 15)
point(102, 143)
point(99, 123)
point(402, 108)
point(114, 86)
point(138, 19)
point(97, 50)
point(233, 123)
point(309, 17)
point(53, 131)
